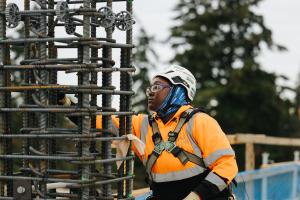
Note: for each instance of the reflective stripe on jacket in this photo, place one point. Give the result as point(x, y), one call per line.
point(201, 135)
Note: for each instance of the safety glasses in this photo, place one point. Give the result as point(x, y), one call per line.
point(156, 88)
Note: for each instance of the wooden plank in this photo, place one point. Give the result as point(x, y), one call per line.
point(249, 156)
point(251, 139)
point(263, 139)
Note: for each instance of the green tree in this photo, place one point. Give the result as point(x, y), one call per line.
point(251, 101)
point(214, 37)
point(145, 58)
point(219, 41)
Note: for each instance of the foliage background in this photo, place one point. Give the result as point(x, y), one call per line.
point(219, 42)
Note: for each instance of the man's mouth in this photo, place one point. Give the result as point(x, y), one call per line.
point(150, 100)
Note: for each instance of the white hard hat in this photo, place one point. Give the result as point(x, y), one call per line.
point(178, 75)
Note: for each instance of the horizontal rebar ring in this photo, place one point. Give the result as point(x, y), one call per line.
point(69, 89)
point(68, 67)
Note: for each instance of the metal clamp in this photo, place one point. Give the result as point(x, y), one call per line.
point(124, 21)
point(159, 148)
point(70, 26)
point(12, 15)
point(62, 11)
point(170, 146)
point(107, 17)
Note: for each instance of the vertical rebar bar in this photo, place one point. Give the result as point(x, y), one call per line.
point(106, 123)
point(52, 80)
point(8, 143)
point(43, 118)
point(86, 120)
point(122, 126)
point(27, 77)
point(129, 163)
point(94, 81)
point(80, 98)
point(106, 102)
point(2, 96)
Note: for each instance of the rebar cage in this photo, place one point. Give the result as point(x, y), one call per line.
point(58, 162)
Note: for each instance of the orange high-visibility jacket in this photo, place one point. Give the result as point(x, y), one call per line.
point(201, 135)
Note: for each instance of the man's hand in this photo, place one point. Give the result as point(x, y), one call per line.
point(192, 196)
point(66, 100)
point(61, 98)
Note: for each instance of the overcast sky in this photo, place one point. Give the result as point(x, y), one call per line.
point(281, 16)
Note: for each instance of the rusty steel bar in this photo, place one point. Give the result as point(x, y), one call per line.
point(44, 99)
point(27, 95)
point(53, 96)
point(87, 41)
point(86, 120)
point(68, 89)
point(3, 124)
point(128, 63)
point(122, 121)
point(94, 81)
point(68, 68)
point(106, 101)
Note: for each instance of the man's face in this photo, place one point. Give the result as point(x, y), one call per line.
point(160, 88)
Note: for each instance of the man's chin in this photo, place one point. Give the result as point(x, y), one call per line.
point(150, 108)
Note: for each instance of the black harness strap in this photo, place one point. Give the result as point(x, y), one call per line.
point(158, 148)
point(170, 145)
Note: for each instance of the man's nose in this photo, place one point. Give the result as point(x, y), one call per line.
point(150, 94)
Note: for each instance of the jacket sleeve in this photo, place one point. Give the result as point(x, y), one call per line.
point(218, 156)
point(136, 125)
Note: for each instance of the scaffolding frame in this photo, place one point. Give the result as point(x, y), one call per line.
point(87, 170)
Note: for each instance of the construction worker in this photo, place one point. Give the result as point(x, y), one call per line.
point(187, 155)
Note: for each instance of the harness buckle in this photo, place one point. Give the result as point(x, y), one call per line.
point(184, 114)
point(159, 148)
point(172, 136)
point(170, 146)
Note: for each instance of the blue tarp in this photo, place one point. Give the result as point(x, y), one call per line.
point(280, 182)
